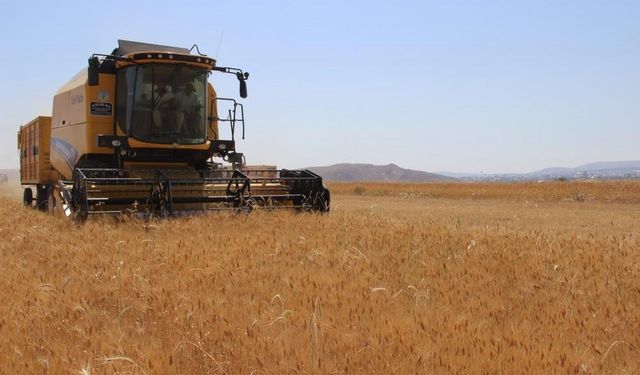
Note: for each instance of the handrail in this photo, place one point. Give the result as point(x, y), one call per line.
point(233, 116)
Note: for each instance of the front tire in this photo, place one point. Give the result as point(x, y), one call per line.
point(59, 203)
point(54, 206)
point(41, 197)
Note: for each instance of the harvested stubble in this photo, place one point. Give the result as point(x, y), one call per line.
point(355, 291)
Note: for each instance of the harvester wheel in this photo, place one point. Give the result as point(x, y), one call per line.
point(51, 201)
point(55, 204)
point(41, 197)
point(27, 197)
point(79, 216)
point(77, 198)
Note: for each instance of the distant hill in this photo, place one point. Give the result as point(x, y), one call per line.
point(347, 172)
point(599, 166)
point(600, 169)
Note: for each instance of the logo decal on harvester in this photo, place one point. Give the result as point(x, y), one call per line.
point(101, 109)
point(103, 95)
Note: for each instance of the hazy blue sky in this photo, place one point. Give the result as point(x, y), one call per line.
point(493, 86)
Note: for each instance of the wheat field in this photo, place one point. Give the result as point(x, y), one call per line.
point(432, 278)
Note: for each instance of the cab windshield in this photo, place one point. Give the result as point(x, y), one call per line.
point(163, 103)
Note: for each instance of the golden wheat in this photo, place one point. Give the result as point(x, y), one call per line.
point(611, 191)
point(395, 283)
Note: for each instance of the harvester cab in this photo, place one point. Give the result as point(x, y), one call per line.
point(138, 131)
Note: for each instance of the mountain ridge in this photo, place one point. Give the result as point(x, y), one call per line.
point(353, 172)
point(597, 169)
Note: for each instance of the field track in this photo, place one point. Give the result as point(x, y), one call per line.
point(433, 278)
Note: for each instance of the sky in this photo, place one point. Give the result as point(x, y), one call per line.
point(460, 86)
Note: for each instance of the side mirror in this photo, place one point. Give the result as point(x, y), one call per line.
point(243, 89)
point(93, 71)
point(242, 78)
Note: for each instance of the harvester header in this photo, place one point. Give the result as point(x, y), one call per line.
point(138, 131)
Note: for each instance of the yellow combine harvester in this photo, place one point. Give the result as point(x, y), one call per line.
point(137, 132)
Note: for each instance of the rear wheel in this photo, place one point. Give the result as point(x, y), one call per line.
point(27, 197)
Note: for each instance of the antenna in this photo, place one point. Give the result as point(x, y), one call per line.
point(219, 43)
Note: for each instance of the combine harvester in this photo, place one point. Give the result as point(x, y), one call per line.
point(137, 132)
